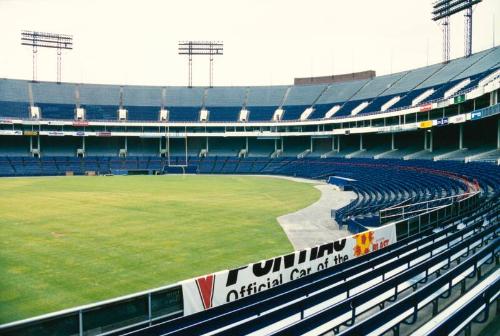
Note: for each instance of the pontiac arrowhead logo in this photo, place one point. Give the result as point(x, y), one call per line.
point(363, 243)
point(206, 290)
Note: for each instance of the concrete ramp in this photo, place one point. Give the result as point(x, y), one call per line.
point(313, 225)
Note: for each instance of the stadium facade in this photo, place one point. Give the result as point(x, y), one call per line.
point(387, 116)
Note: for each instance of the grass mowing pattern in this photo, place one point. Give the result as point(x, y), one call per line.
point(69, 241)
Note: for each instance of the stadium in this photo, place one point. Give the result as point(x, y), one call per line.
point(348, 204)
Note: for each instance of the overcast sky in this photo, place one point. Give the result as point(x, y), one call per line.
point(265, 41)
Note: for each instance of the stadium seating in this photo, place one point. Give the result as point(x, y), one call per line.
point(370, 294)
point(430, 264)
point(58, 101)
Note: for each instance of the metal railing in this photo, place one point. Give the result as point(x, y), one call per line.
point(461, 205)
point(403, 211)
point(101, 318)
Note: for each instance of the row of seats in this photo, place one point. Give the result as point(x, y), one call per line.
point(486, 174)
point(486, 153)
point(371, 294)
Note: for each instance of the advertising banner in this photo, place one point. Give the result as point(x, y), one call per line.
point(425, 124)
point(476, 115)
point(30, 133)
point(426, 107)
point(459, 99)
point(457, 119)
point(103, 134)
point(230, 285)
point(398, 128)
point(443, 103)
point(442, 121)
point(80, 123)
point(7, 132)
point(55, 133)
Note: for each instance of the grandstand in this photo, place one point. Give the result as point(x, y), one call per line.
point(396, 92)
point(419, 149)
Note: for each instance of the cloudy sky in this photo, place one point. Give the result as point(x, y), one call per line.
point(266, 41)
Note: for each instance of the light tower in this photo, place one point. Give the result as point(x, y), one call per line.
point(443, 10)
point(204, 48)
point(46, 40)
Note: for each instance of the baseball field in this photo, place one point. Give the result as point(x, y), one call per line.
point(68, 241)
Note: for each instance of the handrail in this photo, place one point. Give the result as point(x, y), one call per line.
point(89, 307)
point(468, 194)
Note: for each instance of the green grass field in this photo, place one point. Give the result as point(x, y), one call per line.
point(69, 241)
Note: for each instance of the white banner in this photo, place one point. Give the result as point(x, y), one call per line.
point(457, 119)
point(7, 132)
point(230, 285)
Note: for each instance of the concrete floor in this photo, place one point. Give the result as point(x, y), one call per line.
point(313, 225)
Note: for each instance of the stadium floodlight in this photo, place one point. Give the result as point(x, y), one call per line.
point(203, 48)
point(442, 10)
point(37, 40)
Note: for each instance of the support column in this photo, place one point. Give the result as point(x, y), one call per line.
point(311, 146)
point(392, 141)
point(126, 144)
point(190, 79)
point(461, 137)
point(360, 141)
point(206, 144)
point(431, 145)
point(498, 133)
point(83, 143)
point(338, 143)
point(282, 146)
point(246, 144)
point(185, 146)
point(425, 139)
point(333, 143)
point(167, 140)
point(275, 145)
point(493, 98)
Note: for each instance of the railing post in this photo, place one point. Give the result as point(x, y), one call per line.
point(80, 323)
point(150, 310)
